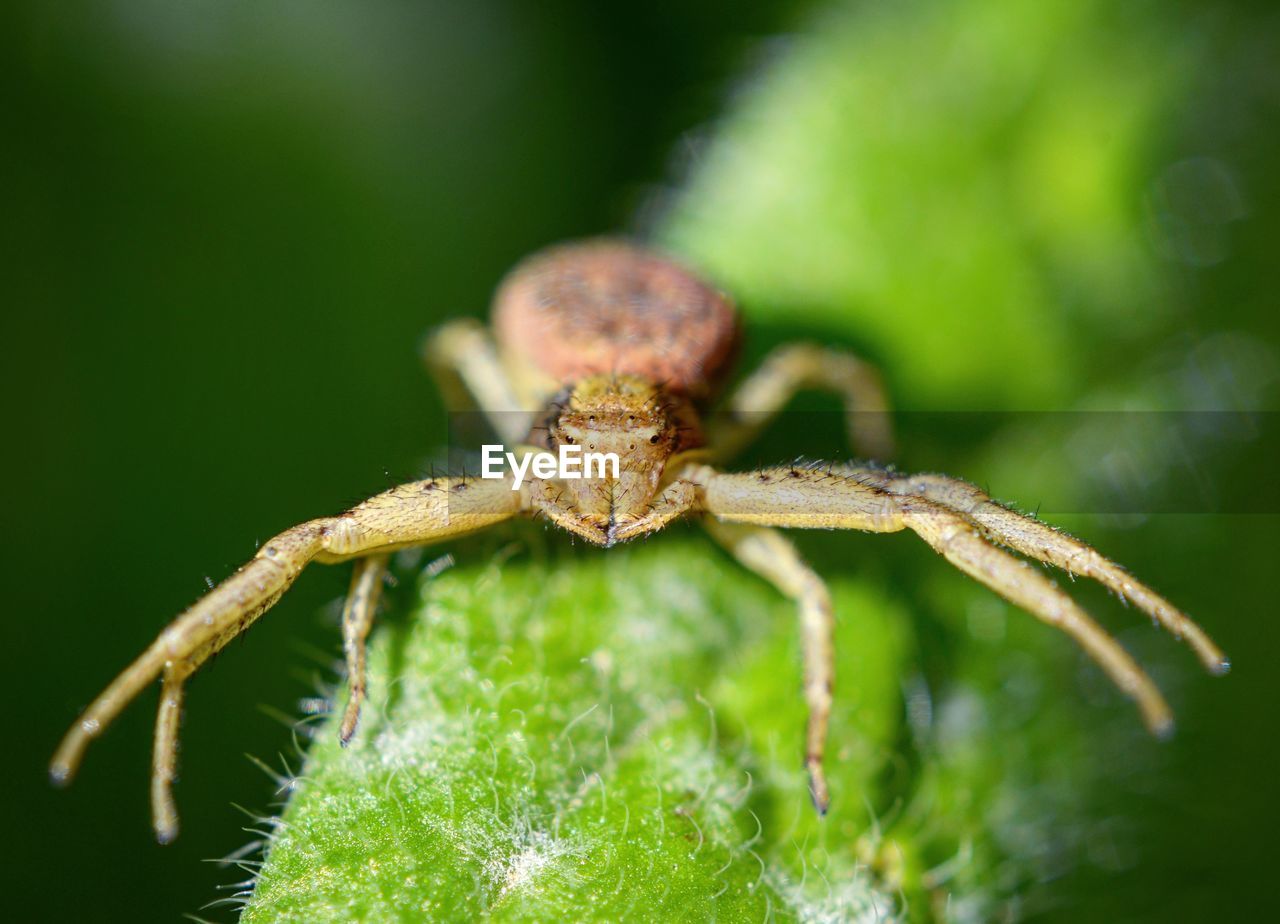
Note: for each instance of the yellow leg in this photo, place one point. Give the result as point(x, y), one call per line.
point(357, 620)
point(164, 759)
point(865, 500)
point(1044, 543)
point(774, 558)
point(1021, 584)
point(195, 635)
point(462, 353)
point(791, 368)
point(411, 514)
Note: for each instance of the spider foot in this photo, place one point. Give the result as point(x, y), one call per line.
point(351, 717)
point(818, 791)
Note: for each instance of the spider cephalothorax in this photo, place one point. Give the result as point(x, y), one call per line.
point(642, 425)
point(617, 349)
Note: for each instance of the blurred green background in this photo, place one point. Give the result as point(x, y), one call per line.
point(226, 228)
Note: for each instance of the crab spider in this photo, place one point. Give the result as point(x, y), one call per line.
point(619, 350)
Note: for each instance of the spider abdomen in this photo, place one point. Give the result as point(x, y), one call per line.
point(612, 308)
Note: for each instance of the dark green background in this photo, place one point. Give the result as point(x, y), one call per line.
point(225, 230)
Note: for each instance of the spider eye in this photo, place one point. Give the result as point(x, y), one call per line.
point(654, 438)
point(568, 439)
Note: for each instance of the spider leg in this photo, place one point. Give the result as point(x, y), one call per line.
point(957, 540)
point(1044, 543)
point(769, 554)
point(462, 353)
point(674, 501)
point(357, 620)
point(199, 632)
point(791, 368)
point(164, 758)
point(411, 514)
point(853, 499)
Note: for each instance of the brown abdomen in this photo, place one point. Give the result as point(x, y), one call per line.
point(606, 307)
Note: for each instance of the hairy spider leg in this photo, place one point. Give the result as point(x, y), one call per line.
point(796, 366)
point(164, 754)
point(1044, 543)
point(956, 539)
point(462, 352)
point(772, 556)
point(821, 499)
point(411, 514)
point(357, 620)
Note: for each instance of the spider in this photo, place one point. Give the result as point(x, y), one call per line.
point(615, 348)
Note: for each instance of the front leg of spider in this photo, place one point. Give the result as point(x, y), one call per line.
point(1023, 534)
point(963, 526)
point(411, 514)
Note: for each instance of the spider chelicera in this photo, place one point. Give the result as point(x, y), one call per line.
point(618, 349)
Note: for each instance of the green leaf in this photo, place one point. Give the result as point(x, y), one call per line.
point(602, 735)
point(618, 735)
